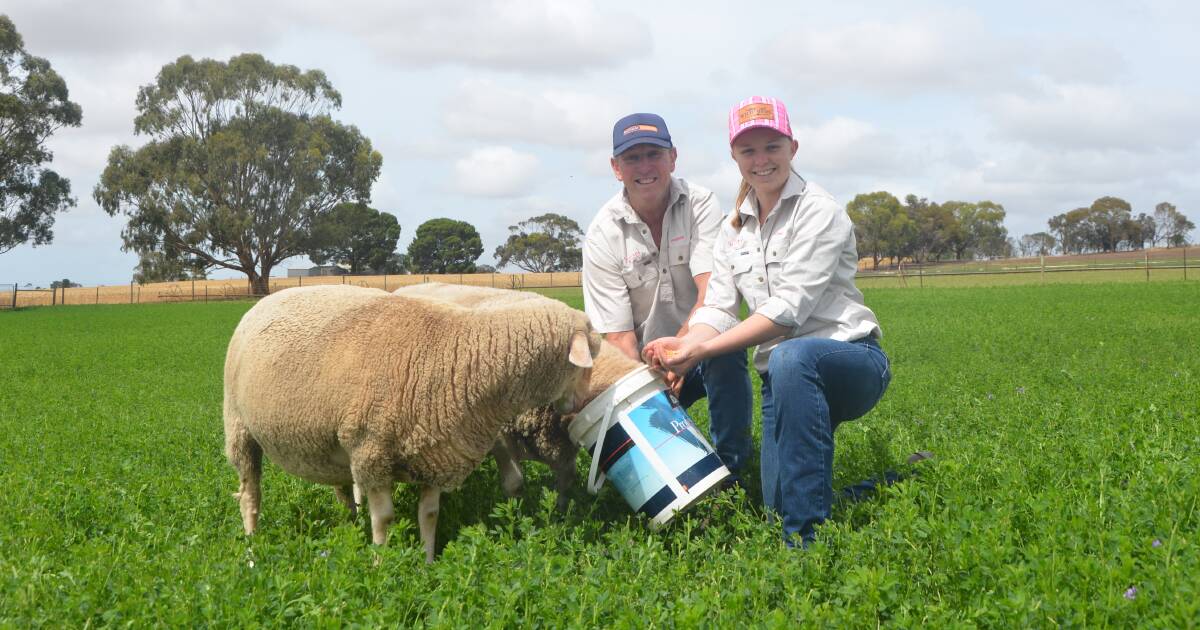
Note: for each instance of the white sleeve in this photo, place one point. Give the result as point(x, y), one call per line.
point(721, 299)
point(706, 213)
point(605, 294)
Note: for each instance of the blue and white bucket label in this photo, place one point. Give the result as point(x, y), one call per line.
point(656, 455)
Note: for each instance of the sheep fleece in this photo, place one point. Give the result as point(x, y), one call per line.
point(412, 390)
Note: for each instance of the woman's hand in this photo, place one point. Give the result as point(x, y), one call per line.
point(673, 354)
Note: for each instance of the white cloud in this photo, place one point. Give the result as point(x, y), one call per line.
point(496, 172)
point(1099, 117)
point(845, 145)
point(540, 36)
point(486, 110)
point(935, 51)
point(165, 29)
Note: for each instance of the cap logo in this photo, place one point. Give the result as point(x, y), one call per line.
point(755, 111)
point(636, 128)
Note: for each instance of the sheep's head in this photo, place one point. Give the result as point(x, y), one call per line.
point(582, 351)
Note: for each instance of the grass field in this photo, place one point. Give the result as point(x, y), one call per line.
point(1066, 422)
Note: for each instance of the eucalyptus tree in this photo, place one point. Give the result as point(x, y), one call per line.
point(34, 103)
point(242, 159)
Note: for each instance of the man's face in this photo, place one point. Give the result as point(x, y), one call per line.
point(645, 169)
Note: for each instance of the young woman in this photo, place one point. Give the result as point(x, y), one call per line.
point(788, 250)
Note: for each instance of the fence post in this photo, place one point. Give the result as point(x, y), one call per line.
point(1147, 252)
point(494, 273)
point(1184, 263)
point(131, 291)
point(921, 276)
point(385, 282)
point(139, 297)
point(14, 296)
point(1043, 264)
point(193, 289)
point(97, 294)
point(206, 293)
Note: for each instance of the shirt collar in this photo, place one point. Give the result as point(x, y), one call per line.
point(793, 187)
point(625, 211)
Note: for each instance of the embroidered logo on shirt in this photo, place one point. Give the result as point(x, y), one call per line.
point(678, 238)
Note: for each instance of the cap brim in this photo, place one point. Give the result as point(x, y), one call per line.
point(629, 144)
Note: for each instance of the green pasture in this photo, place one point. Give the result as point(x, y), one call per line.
point(994, 278)
point(1065, 419)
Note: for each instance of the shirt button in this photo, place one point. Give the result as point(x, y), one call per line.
point(681, 258)
point(772, 253)
point(760, 279)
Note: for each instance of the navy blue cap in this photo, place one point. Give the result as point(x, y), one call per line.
point(637, 129)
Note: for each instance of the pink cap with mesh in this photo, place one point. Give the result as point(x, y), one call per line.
point(758, 111)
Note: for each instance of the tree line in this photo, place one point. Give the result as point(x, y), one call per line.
point(243, 166)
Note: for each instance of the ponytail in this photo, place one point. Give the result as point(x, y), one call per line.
point(743, 191)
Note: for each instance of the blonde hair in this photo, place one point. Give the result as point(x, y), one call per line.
point(743, 192)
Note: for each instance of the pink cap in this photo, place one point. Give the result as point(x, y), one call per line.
point(758, 111)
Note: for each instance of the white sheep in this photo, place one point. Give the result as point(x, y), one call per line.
point(539, 434)
point(343, 386)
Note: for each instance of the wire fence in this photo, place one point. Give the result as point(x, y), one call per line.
point(1136, 266)
point(1131, 266)
point(16, 295)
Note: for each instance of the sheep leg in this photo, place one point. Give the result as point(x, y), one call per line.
point(344, 494)
point(564, 479)
point(246, 456)
point(511, 478)
point(427, 515)
point(382, 513)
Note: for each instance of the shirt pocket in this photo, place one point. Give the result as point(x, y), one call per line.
point(773, 258)
point(637, 276)
point(744, 273)
point(679, 254)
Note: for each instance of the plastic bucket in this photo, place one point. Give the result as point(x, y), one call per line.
point(643, 440)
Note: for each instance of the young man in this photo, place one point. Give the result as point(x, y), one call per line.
point(647, 258)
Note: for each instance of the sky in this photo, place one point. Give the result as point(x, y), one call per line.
point(493, 112)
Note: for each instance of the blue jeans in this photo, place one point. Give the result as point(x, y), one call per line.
point(810, 387)
point(726, 383)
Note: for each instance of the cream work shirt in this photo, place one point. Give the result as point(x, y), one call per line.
point(631, 284)
point(796, 269)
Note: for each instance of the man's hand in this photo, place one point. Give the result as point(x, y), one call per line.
point(674, 354)
point(674, 382)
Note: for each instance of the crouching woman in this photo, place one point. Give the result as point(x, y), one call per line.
point(788, 250)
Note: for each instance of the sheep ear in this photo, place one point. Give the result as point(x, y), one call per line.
point(580, 354)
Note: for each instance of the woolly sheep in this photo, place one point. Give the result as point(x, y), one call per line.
point(342, 385)
point(539, 434)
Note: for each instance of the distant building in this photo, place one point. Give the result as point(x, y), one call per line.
point(323, 270)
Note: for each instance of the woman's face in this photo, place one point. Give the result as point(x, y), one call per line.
point(764, 156)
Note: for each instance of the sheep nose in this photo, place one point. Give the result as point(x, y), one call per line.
point(565, 405)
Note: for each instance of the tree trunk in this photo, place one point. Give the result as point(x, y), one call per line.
point(259, 285)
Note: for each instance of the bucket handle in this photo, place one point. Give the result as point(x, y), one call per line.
point(595, 477)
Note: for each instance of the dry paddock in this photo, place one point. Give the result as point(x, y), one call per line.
point(230, 289)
